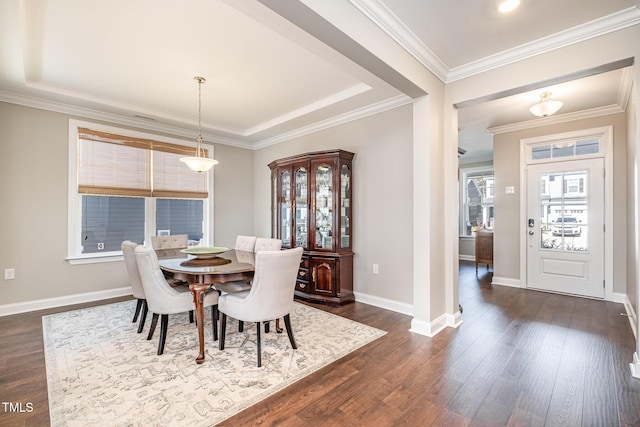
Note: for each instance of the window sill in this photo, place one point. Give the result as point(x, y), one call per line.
point(95, 259)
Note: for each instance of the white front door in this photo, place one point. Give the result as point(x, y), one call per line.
point(565, 227)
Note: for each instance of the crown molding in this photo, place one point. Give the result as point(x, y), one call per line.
point(378, 13)
point(139, 122)
point(310, 108)
point(614, 22)
point(556, 119)
point(360, 113)
point(149, 125)
point(388, 22)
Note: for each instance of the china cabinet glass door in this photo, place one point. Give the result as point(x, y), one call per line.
point(302, 208)
point(284, 208)
point(324, 206)
point(345, 207)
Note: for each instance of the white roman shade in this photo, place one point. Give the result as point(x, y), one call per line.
point(117, 165)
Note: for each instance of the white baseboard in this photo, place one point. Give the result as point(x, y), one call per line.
point(506, 281)
point(635, 366)
point(471, 258)
point(429, 329)
point(387, 304)
point(631, 314)
point(41, 304)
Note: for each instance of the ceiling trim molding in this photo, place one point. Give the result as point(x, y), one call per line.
point(140, 123)
point(614, 22)
point(310, 108)
point(398, 31)
point(560, 118)
point(388, 22)
point(350, 116)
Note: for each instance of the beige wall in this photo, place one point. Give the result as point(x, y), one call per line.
point(382, 205)
point(33, 214)
point(507, 207)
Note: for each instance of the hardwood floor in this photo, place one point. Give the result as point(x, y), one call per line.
point(521, 358)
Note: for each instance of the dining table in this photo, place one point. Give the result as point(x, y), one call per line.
point(202, 273)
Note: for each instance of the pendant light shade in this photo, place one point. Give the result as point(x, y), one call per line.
point(199, 163)
point(546, 106)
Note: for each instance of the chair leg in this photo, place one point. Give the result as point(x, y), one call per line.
point(164, 323)
point(145, 310)
point(258, 327)
point(240, 326)
point(190, 316)
point(223, 331)
point(214, 321)
point(287, 324)
point(267, 326)
point(137, 312)
point(278, 328)
point(152, 329)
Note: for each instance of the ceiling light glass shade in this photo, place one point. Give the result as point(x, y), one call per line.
point(508, 5)
point(546, 106)
point(199, 163)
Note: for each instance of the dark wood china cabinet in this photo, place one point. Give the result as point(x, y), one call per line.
point(311, 207)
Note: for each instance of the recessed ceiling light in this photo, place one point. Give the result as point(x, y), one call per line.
point(508, 5)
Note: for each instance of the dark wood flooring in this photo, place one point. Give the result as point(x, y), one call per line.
point(521, 358)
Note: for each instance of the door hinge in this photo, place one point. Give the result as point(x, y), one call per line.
point(603, 282)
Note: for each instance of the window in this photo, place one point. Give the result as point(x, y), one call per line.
point(126, 185)
point(477, 200)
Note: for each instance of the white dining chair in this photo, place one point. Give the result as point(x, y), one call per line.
point(163, 300)
point(270, 296)
point(265, 244)
point(245, 243)
point(129, 254)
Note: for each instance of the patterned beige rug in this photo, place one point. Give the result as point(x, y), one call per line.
point(101, 372)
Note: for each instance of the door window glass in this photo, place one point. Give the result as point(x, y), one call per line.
point(563, 211)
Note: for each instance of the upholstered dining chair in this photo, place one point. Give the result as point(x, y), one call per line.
point(270, 296)
point(129, 253)
point(170, 246)
point(163, 300)
point(264, 244)
point(245, 243)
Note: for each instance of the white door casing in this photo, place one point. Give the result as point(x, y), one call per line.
point(529, 158)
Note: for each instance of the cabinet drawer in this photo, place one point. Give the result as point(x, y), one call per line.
point(302, 286)
point(303, 274)
point(304, 262)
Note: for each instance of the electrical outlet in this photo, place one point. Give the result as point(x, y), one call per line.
point(9, 273)
point(100, 246)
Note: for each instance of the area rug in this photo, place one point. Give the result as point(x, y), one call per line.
point(101, 372)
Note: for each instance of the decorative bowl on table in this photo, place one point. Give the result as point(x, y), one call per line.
point(205, 252)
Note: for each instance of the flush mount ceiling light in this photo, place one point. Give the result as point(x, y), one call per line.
point(199, 162)
point(546, 106)
point(508, 5)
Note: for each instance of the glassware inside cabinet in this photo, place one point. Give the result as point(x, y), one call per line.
point(285, 208)
point(345, 207)
point(324, 206)
point(302, 208)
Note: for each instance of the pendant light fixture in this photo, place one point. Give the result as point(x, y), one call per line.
point(199, 163)
point(546, 106)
